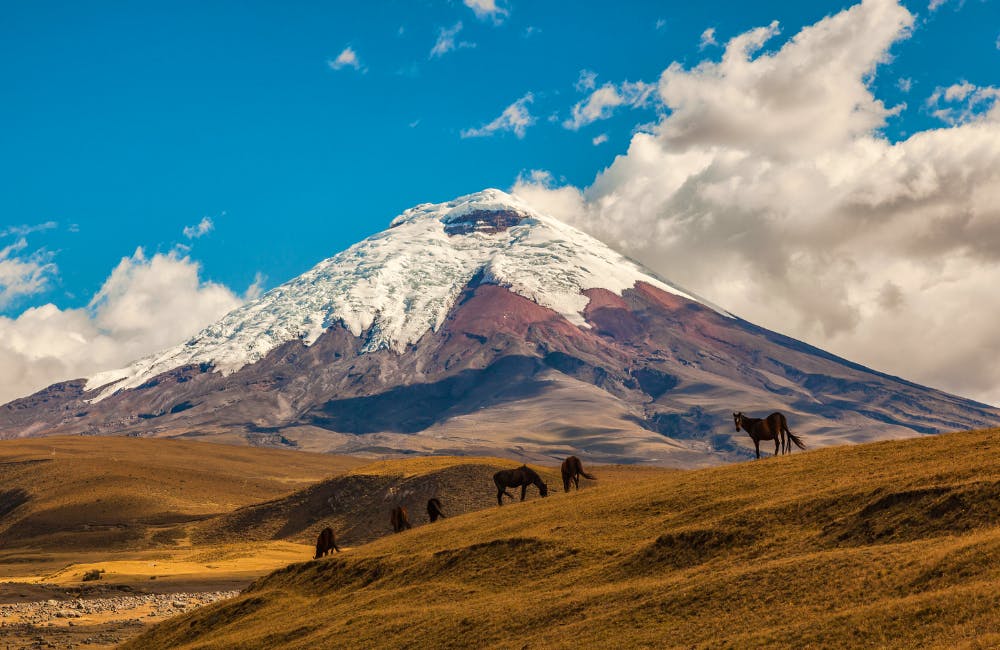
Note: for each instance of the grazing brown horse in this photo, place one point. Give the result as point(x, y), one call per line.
point(521, 477)
point(572, 469)
point(773, 427)
point(326, 543)
point(399, 519)
point(434, 509)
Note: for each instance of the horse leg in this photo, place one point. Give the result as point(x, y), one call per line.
point(500, 492)
point(524, 491)
point(777, 444)
point(576, 481)
point(756, 445)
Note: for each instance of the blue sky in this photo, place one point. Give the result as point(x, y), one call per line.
point(125, 123)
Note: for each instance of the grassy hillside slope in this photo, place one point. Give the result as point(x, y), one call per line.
point(357, 503)
point(76, 494)
point(890, 544)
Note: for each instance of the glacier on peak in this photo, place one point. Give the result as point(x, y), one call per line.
point(401, 282)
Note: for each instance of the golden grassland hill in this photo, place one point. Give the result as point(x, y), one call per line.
point(891, 544)
point(111, 493)
point(357, 503)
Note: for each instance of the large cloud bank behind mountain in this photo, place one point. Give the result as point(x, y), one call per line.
point(767, 186)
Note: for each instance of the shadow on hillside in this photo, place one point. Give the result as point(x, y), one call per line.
point(907, 515)
point(11, 500)
point(413, 408)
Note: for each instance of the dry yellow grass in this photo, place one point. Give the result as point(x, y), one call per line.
point(891, 545)
point(229, 566)
point(68, 502)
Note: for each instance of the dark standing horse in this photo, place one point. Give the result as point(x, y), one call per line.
point(326, 543)
point(774, 427)
point(434, 509)
point(399, 519)
point(521, 477)
point(572, 469)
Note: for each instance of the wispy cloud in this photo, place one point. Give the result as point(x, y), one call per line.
point(660, 24)
point(965, 102)
point(586, 81)
point(601, 139)
point(348, 58)
point(23, 274)
point(488, 9)
point(904, 84)
point(707, 38)
point(515, 118)
point(205, 226)
point(256, 289)
point(600, 104)
point(446, 41)
point(22, 230)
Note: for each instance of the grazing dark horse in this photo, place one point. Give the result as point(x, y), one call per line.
point(572, 470)
point(521, 477)
point(773, 427)
point(434, 509)
point(399, 519)
point(326, 543)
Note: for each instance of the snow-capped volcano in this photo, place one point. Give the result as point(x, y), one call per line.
point(396, 285)
point(484, 326)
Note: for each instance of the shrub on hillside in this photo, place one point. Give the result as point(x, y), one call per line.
point(93, 574)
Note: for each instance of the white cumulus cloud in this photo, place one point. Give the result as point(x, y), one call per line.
point(146, 304)
point(515, 118)
point(767, 186)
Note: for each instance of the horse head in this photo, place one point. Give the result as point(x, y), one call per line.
point(543, 489)
point(738, 419)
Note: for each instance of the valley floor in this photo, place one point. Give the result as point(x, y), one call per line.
point(44, 599)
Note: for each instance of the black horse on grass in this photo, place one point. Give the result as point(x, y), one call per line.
point(434, 509)
point(572, 470)
point(325, 543)
point(521, 477)
point(773, 427)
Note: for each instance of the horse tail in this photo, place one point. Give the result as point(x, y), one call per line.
point(586, 475)
point(794, 438)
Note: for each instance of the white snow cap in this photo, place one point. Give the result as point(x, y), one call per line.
point(398, 284)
